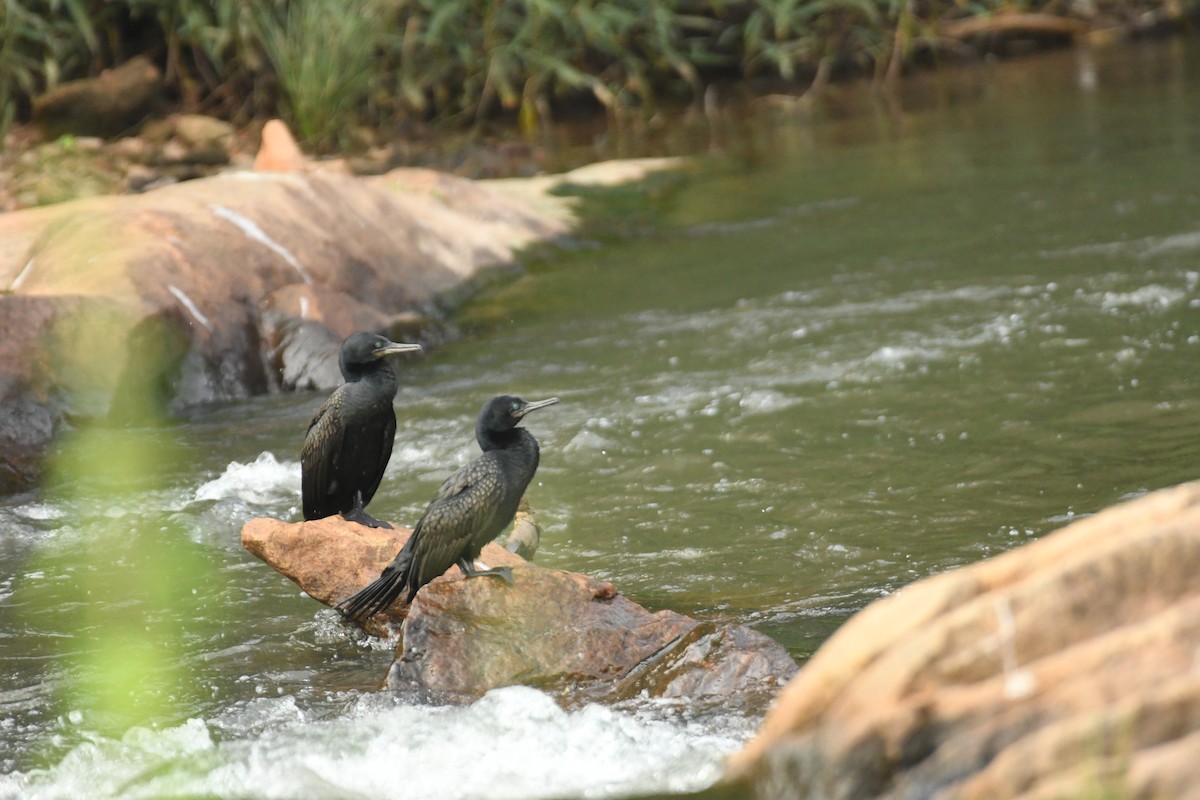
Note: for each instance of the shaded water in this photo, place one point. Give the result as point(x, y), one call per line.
point(837, 356)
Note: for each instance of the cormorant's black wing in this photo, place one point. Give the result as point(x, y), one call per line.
point(383, 454)
point(466, 506)
point(320, 457)
point(465, 509)
point(381, 592)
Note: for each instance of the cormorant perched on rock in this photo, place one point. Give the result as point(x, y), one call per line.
point(471, 508)
point(349, 440)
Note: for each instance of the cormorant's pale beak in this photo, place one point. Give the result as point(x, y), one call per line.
point(395, 347)
point(525, 409)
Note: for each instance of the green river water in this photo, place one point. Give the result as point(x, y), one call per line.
point(833, 355)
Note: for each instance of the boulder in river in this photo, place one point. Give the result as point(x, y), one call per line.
point(226, 287)
point(236, 285)
point(560, 631)
point(1067, 668)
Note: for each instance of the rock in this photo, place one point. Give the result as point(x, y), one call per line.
point(279, 151)
point(107, 105)
point(216, 289)
point(1066, 668)
point(29, 414)
point(526, 534)
point(207, 140)
point(206, 267)
point(560, 631)
point(188, 139)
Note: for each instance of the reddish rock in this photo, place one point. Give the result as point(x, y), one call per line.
point(560, 631)
point(235, 285)
point(279, 151)
point(1066, 668)
point(332, 559)
point(222, 288)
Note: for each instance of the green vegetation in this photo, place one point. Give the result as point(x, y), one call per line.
point(324, 53)
point(327, 64)
point(115, 622)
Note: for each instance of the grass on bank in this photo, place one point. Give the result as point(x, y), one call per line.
point(327, 65)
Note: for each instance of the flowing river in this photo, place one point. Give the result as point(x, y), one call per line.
point(838, 354)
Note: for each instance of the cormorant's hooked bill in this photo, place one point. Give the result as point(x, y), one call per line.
point(471, 508)
point(349, 440)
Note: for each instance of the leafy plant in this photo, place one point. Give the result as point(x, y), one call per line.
point(39, 43)
point(331, 64)
point(324, 53)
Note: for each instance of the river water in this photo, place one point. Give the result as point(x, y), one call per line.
point(841, 352)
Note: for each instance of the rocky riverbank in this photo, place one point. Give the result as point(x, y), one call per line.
point(1066, 668)
point(123, 307)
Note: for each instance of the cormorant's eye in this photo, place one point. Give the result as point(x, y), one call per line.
point(516, 407)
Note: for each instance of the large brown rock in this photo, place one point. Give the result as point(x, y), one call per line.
point(226, 287)
point(560, 631)
point(235, 285)
point(1067, 668)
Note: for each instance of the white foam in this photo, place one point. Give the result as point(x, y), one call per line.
point(1172, 244)
point(40, 511)
point(589, 442)
point(765, 401)
point(261, 482)
point(513, 743)
point(1152, 297)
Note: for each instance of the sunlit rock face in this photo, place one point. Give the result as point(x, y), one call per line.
point(560, 631)
point(227, 287)
point(1066, 668)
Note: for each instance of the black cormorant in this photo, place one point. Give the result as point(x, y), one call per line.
point(471, 508)
point(349, 440)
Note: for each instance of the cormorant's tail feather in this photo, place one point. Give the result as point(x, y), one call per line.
point(381, 592)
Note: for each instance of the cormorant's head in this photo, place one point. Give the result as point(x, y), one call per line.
point(504, 412)
point(361, 350)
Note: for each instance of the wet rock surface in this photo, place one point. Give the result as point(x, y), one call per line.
point(563, 632)
point(1066, 668)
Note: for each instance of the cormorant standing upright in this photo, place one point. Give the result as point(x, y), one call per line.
point(471, 508)
point(349, 440)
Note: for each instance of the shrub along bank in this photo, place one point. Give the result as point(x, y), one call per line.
point(328, 65)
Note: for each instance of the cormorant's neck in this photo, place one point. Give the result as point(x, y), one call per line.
point(503, 440)
point(379, 371)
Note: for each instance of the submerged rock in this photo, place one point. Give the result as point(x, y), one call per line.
point(560, 631)
point(1066, 668)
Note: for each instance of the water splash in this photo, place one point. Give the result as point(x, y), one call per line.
point(261, 482)
point(513, 743)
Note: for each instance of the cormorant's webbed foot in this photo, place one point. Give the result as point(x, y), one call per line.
point(363, 518)
point(358, 514)
point(468, 568)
